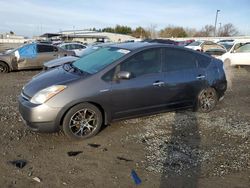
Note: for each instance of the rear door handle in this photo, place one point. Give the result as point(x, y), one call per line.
point(158, 83)
point(200, 77)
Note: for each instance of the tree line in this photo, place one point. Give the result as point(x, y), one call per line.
point(170, 31)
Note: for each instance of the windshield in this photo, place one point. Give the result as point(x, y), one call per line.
point(227, 46)
point(96, 61)
point(195, 43)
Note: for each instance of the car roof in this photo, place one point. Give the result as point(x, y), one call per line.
point(131, 46)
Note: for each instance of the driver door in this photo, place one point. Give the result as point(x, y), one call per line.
point(143, 92)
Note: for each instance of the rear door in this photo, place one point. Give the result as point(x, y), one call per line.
point(143, 93)
point(45, 53)
point(183, 79)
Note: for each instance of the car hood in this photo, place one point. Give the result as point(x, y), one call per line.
point(60, 61)
point(43, 80)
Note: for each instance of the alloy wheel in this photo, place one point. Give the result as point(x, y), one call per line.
point(207, 100)
point(83, 122)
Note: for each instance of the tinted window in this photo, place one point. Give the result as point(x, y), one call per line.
point(145, 62)
point(176, 59)
point(44, 48)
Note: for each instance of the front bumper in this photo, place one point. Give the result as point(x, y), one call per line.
point(40, 118)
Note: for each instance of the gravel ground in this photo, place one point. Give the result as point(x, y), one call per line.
point(176, 149)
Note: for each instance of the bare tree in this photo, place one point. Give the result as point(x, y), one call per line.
point(206, 31)
point(228, 30)
point(190, 31)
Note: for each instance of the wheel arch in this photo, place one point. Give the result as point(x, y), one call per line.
point(62, 114)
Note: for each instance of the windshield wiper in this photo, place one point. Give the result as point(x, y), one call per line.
point(69, 67)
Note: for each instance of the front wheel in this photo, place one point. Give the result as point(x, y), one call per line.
point(82, 121)
point(207, 100)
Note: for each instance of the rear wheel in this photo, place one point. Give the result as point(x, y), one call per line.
point(207, 100)
point(82, 121)
point(4, 68)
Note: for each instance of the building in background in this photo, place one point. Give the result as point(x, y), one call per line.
point(11, 40)
point(85, 36)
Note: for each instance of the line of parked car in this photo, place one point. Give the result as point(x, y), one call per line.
point(41, 55)
point(84, 87)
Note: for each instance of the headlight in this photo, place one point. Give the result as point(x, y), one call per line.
point(47, 93)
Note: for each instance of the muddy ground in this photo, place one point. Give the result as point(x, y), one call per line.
point(177, 149)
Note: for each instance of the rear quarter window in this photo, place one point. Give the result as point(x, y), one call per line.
point(203, 61)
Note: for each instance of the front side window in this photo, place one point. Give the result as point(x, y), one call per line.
point(99, 59)
point(44, 48)
point(146, 62)
point(176, 59)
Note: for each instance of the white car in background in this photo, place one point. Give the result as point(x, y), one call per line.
point(203, 45)
point(78, 48)
point(238, 55)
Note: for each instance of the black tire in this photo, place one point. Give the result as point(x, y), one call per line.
point(82, 121)
point(207, 100)
point(4, 68)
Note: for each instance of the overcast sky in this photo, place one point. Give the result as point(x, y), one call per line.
point(33, 17)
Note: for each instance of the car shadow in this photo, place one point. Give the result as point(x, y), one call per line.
point(182, 165)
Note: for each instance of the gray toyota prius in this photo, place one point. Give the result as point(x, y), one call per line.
point(121, 81)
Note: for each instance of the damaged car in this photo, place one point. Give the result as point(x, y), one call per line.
point(30, 56)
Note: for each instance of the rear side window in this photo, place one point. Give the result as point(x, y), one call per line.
point(176, 59)
point(44, 48)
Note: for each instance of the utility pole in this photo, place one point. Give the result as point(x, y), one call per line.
point(217, 11)
point(219, 29)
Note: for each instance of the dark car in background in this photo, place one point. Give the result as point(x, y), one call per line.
point(121, 81)
point(30, 56)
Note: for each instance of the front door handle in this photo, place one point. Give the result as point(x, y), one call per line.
point(200, 77)
point(158, 83)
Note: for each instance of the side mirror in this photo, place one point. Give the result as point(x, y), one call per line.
point(123, 75)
